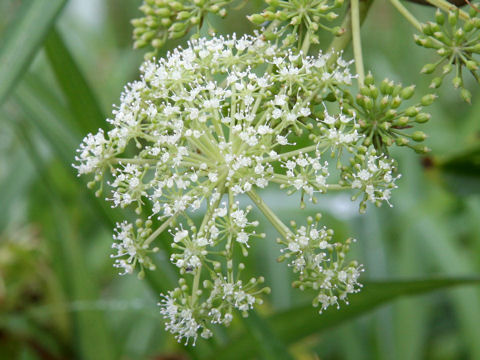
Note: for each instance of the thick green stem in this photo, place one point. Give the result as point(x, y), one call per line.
point(357, 41)
point(270, 215)
point(446, 6)
point(306, 43)
point(407, 14)
point(196, 281)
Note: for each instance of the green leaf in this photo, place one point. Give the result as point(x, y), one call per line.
point(461, 171)
point(23, 38)
point(298, 323)
point(465, 163)
point(82, 102)
point(270, 346)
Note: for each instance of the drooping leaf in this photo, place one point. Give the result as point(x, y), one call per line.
point(300, 322)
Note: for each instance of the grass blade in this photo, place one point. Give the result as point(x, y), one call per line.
point(23, 38)
point(82, 102)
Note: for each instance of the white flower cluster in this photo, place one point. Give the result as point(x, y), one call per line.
point(373, 176)
point(131, 248)
point(320, 263)
point(201, 127)
point(186, 319)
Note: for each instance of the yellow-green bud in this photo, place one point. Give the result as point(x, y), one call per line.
point(412, 111)
point(419, 136)
point(457, 81)
point(407, 92)
point(177, 27)
point(466, 95)
point(436, 82)
point(175, 5)
point(390, 114)
point(428, 99)
point(386, 87)
point(468, 26)
point(369, 80)
point(401, 141)
point(422, 118)
point(453, 17)
point(331, 16)
point(396, 101)
point(163, 12)
point(471, 65)
point(428, 68)
point(402, 121)
point(439, 17)
point(257, 19)
point(183, 15)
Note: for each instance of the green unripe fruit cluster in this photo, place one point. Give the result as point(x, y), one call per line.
point(382, 116)
point(164, 19)
point(456, 40)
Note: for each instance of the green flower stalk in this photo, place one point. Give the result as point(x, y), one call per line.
point(214, 123)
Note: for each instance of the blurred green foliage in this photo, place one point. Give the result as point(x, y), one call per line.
point(60, 298)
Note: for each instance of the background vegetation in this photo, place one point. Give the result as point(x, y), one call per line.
point(63, 65)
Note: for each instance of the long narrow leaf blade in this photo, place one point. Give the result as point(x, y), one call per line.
point(295, 324)
point(22, 40)
point(80, 98)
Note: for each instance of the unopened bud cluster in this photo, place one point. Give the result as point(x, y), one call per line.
point(172, 19)
point(457, 42)
point(305, 17)
point(384, 119)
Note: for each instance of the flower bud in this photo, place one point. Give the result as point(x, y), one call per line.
point(466, 95)
point(163, 12)
point(428, 68)
point(436, 82)
point(412, 111)
point(471, 65)
point(183, 15)
point(396, 101)
point(457, 81)
point(257, 19)
point(369, 80)
point(401, 141)
point(331, 16)
point(428, 99)
point(386, 87)
point(402, 121)
point(439, 17)
point(419, 136)
point(453, 18)
point(407, 92)
point(468, 26)
point(422, 118)
point(175, 5)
